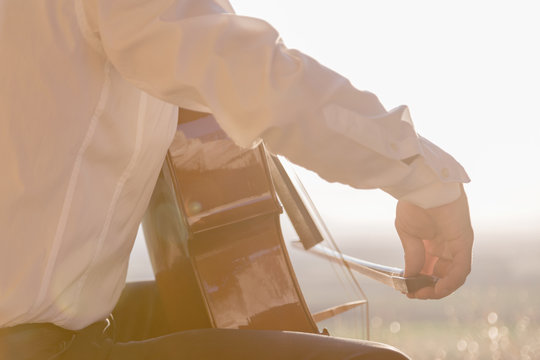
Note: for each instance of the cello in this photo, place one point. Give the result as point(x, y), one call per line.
point(214, 239)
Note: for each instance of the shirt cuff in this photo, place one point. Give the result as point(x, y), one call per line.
point(433, 195)
point(423, 187)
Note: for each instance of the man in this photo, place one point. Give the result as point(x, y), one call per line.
point(88, 104)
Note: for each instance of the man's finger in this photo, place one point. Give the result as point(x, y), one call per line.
point(454, 277)
point(457, 273)
point(441, 268)
point(414, 253)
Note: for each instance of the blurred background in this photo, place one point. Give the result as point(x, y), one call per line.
point(468, 70)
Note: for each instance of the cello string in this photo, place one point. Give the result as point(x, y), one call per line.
point(327, 236)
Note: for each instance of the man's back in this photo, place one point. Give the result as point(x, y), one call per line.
point(80, 149)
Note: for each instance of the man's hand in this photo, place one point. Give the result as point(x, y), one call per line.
point(436, 241)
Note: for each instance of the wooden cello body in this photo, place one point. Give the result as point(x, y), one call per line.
point(214, 237)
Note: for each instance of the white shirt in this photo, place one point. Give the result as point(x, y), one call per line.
point(88, 99)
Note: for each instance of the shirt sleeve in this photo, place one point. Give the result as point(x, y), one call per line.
point(200, 55)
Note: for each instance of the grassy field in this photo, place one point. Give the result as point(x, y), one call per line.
point(495, 315)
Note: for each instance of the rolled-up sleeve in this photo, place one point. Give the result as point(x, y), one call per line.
point(200, 55)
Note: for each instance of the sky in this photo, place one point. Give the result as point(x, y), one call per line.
point(468, 70)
